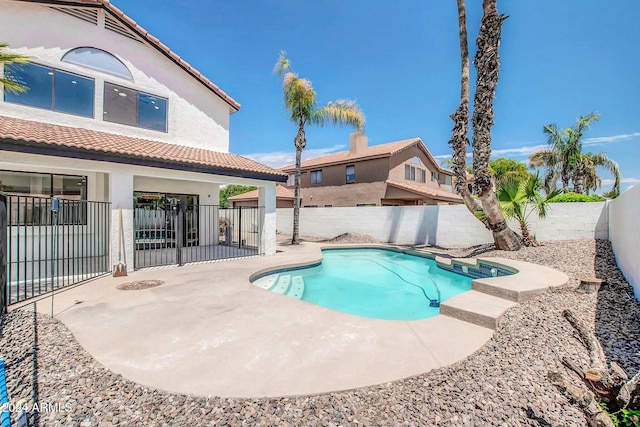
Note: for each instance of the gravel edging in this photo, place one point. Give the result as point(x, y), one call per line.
point(502, 384)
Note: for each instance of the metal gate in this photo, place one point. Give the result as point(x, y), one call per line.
point(170, 234)
point(52, 243)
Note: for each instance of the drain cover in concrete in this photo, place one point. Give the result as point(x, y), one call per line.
point(139, 284)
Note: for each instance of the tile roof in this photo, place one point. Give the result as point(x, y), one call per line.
point(281, 193)
point(26, 134)
point(153, 41)
point(371, 152)
point(432, 193)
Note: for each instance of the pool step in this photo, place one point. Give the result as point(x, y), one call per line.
point(477, 308)
point(284, 284)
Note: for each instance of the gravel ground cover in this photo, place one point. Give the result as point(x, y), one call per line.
point(503, 384)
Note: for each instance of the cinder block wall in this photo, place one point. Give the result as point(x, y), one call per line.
point(624, 234)
point(447, 225)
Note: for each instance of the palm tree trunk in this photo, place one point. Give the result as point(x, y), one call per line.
point(487, 66)
point(300, 141)
point(578, 178)
point(459, 139)
point(527, 238)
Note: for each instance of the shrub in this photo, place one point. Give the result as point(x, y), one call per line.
point(574, 197)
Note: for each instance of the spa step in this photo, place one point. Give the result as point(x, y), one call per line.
point(296, 289)
point(282, 285)
point(477, 308)
point(266, 282)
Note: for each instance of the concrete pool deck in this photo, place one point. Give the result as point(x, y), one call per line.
point(208, 331)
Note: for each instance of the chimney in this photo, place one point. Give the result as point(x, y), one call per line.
point(358, 142)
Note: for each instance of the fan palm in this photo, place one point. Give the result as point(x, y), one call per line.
point(521, 198)
point(301, 103)
point(8, 59)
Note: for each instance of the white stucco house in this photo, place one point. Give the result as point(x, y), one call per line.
point(114, 115)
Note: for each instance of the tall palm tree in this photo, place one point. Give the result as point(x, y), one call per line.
point(7, 59)
point(301, 103)
point(459, 139)
point(585, 178)
point(565, 160)
point(486, 62)
point(521, 198)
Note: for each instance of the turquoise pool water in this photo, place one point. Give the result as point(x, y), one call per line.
point(375, 283)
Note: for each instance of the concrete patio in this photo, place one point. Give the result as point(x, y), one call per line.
point(208, 331)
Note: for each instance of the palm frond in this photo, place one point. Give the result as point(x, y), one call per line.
point(283, 65)
point(9, 59)
point(341, 112)
point(299, 97)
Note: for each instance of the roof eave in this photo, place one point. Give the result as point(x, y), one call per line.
point(42, 148)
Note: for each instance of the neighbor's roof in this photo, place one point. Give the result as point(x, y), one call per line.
point(63, 141)
point(432, 193)
point(153, 41)
point(281, 193)
point(369, 153)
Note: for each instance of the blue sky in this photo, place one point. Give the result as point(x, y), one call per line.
point(400, 61)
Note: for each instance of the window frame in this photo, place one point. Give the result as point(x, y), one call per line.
point(313, 176)
point(137, 111)
point(350, 178)
point(51, 71)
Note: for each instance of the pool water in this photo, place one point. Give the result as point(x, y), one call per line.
point(374, 283)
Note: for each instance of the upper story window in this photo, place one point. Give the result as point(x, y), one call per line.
point(316, 177)
point(412, 173)
point(433, 176)
point(422, 175)
point(291, 180)
point(130, 107)
point(52, 89)
point(98, 60)
point(351, 174)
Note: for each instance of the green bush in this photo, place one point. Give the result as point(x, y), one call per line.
point(574, 197)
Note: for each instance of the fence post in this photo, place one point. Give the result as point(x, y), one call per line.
point(3, 254)
point(239, 227)
point(179, 232)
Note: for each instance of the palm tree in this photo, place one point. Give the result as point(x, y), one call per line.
point(585, 177)
point(7, 59)
point(520, 198)
point(565, 160)
point(459, 139)
point(486, 62)
point(300, 101)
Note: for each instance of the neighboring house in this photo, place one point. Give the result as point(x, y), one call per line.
point(113, 115)
point(395, 174)
point(284, 198)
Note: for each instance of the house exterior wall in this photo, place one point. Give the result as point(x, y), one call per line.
point(279, 203)
point(344, 195)
point(398, 161)
point(366, 171)
point(625, 235)
point(196, 116)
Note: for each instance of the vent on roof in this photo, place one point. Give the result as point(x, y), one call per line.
point(110, 23)
point(87, 15)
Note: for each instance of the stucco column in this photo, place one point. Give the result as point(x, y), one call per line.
point(267, 199)
point(121, 195)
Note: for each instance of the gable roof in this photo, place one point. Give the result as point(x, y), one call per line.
point(153, 41)
point(63, 141)
point(371, 152)
point(281, 193)
point(432, 193)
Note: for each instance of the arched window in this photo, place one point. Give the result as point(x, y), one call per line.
point(98, 60)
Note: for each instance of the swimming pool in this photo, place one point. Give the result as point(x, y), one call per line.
point(375, 283)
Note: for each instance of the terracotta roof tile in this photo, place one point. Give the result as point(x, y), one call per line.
point(371, 152)
point(281, 193)
point(433, 193)
point(133, 25)
point(24, 131)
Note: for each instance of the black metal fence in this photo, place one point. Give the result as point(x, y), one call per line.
point(181, 234)
point(3, 254)
point(52, 243)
